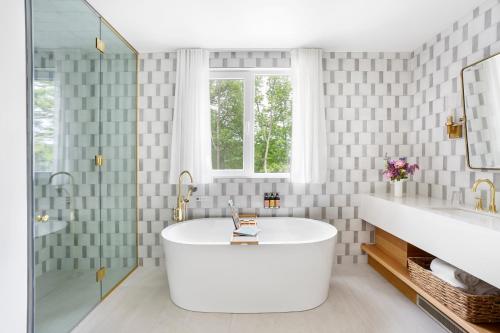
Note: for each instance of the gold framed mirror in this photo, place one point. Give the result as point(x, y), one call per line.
point(481, 113)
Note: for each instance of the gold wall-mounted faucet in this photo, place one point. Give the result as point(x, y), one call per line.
point(492, 207)
point(180, 210)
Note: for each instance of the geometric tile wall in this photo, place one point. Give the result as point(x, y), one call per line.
point(436, 93)
point(85, 240)
point(75, 76)
point(366, 105)
point(377, 105)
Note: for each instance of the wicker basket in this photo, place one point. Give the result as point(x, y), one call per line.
point(472, 308)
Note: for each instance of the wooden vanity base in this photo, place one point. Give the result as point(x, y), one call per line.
point(388, 257)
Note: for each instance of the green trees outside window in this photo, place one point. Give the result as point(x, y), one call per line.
point(273, 123)
point(271, 111)
point(226, 106)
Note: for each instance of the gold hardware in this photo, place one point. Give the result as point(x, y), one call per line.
point(100, 45)
point(479, 204)
point(454, 129)
point(180, 211)
point(492, 207)
point(99, 160)
point(100, 274)
point(42, 218)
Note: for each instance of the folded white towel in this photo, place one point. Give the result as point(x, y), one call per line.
point(446, 272)
point(450, 279)
point(460, 279)
point(441, 266)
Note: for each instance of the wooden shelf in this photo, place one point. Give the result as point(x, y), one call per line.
point(394, 267)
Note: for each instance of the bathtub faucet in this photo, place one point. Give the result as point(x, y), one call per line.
point(180, 211)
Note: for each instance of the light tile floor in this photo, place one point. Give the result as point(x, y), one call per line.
point(64, 297)
point(360, 301)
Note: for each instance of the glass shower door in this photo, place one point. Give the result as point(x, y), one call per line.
point(85, 162)
point(119, 149)
point(66, 181)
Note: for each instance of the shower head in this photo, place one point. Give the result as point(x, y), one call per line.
point(191, 189)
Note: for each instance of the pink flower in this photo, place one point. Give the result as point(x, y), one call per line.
point(398, 169)
point(400, 164)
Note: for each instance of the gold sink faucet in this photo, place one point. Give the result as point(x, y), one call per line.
point(180, 211)
point(479, 205)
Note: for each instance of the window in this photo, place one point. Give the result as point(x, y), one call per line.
point(44, 120)
point(226, 107)
point(251, 120)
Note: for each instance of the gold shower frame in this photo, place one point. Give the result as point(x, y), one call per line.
point(105, 22)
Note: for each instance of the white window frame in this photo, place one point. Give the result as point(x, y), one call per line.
point(248, 78)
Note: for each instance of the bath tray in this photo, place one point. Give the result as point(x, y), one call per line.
point(246, 220)
point(244, 240)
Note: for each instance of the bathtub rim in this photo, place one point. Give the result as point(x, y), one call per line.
point(198, 220)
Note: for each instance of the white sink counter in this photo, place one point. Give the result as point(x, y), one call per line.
point(464, 238)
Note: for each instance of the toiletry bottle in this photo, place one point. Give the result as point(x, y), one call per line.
point(277, 200)
point(271, 200)
point(266, 200)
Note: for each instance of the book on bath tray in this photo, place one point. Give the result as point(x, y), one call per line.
point(247, 231)
point(239, 230)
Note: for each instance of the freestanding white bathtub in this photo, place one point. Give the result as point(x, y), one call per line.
point(289, 270)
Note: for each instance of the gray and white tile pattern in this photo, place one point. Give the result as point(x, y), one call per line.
point(436, 93)
point(366, 106)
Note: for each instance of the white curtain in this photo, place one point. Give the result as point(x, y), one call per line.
point(309, 145)
point(191, 135)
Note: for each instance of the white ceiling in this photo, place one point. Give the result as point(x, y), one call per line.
point(342, 25)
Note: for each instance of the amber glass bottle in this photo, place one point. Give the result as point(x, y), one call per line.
point(272, 200)
point(266, 200)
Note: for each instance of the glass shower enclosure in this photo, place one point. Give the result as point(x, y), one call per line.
point(84, 130)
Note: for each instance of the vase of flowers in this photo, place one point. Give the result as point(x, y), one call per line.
point(398, 171)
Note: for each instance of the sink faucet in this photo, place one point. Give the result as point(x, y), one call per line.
point(479, 205)
point(180, 211)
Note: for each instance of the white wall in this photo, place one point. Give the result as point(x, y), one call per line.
point(13, 193)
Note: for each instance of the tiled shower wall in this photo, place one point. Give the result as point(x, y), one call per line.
point(71, 247)
point(77, 247)
point(367, 104)
point(436, 93)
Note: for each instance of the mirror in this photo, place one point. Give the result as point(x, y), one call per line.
point(481, 102)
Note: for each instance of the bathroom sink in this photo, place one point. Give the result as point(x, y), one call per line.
point(45, 228)
point(465, 238)
point(468, 215)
